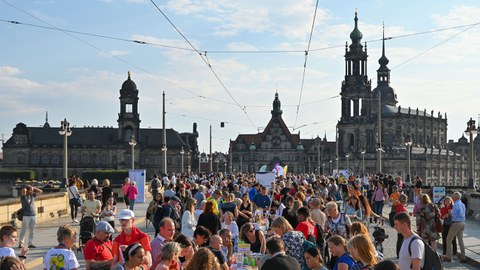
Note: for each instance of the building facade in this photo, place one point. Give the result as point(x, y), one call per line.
point(376, 134)
point(102, 148)
point(276, 144)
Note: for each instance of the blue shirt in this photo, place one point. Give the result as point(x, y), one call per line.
point(458, 211)
point(252, 193)
point(261, 201)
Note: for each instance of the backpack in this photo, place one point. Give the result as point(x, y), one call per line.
point(154, 184)
point(431, 258)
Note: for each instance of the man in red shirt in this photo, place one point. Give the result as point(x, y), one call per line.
point(98, 250)
point(130, 235)
point(305, 223)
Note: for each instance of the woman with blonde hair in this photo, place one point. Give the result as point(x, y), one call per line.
point(132, 194)
point(291, 215)
point(338, 248)
point(125, 186)
point(446, 215)
point(358, 227)
point(362, 251)
point(188, 218)
point(203, 259)
point(293, 240)
point(169, 258)
point(107, 191)
point(427, 215)
point(66, 237)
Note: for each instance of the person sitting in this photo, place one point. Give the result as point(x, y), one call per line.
point(279, 260)
point(314, 260)
point(203, 259)
point(255, 238)
point(200, 237)
point(216, 248)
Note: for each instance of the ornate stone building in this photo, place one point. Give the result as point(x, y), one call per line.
point(375, 130)
point(100, 148)
point(276, 144)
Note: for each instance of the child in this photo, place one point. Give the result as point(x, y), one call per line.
point(8, 239)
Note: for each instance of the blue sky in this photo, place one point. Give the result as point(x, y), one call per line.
point(79, 76)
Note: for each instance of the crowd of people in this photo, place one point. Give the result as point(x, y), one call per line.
point(295, 222)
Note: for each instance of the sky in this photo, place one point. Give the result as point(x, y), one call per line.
point(224, 60)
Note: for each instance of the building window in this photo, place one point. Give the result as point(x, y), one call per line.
point(56, 159)
point(114, 160)
point(128, 108)
point(94, 159)
point(74, 159)
point(45, 159)
point(21, 158)
point(34, 158)
point(103, 159)
point(85, 158)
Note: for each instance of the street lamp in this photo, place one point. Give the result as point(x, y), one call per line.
point(65, 131)
point(199, 162)
point(408, 144)
point(225, 167)
point(336, 161)
point(363, 160)
point(379, 150)
point(471, 131)
point(348, 159)
point(217, 161)
point(182, 152)
point(164, 150)
point(132, 143)
point(330, 169)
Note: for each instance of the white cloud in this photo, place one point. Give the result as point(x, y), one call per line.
point(9, 71)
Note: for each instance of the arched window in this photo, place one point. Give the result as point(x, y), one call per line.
point(45, 159)
point(56, 159)
point(85, 158)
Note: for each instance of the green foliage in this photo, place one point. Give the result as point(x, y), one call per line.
point(115, 176)
point(20, 174)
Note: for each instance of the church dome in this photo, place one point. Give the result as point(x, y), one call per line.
point(388, 94)
point(128, 86)
point(356, 36)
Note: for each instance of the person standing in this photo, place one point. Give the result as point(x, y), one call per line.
point(91, 207)
point(130, 235)
point(457, 228)
point(27, 198)
point(125, 186)
point(132, 194)
point(98, 250)
point(74, 200)
point(155, 185)
point(61, 256)
point(446, 215)
point(413, 250)
point(8, 239)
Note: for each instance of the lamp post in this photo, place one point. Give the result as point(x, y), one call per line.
point(182, 152)
point(164, 150)
point(471, 131)
point(199, 162)
point(379, 156)
point(336, 161)
point(348, 159)
point(363, 160)
point(225, 166)
point(217, 161)
point(330, 171)
point(132, 143)
point(408, 144)
point(65, 131)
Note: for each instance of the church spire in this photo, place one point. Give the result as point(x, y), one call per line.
point(46, 125)
point(356, 36)
point(383, 72)
point(276, 106)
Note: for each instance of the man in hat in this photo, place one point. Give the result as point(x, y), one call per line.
point(130, 235)
point(98, 250)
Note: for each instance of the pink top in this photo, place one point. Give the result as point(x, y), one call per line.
point(132, 192)
point(125, 188)
point(379, 195)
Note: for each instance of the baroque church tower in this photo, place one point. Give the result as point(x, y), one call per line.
point(128, 118)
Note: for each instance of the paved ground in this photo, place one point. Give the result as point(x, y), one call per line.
point(45, 239)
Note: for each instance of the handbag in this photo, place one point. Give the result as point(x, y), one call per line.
point(19, 214)
point(78, 202)
point(438, 222)
point(20, 211)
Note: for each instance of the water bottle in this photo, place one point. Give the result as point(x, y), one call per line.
point(246, 262)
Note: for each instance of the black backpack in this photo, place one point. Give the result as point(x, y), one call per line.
point(431, 258)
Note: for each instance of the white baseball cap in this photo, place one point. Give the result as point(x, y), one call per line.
point(126, 214)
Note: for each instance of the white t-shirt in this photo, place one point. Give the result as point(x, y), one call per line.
point(72, 192)
point(57, 258)
point(6, 251)
point(418, 250)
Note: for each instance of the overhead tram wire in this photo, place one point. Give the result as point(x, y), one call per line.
point(70, 33)
point(435, 46)
point(305, 63)
point(223, 51)
point(206, 62)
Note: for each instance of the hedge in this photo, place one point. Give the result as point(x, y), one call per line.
point(20, 174)
point(115, 176)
